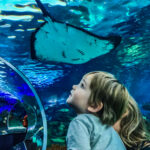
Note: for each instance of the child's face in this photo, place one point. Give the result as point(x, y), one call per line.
point(80, 94)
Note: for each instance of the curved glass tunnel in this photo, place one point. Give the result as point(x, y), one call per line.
point(19, 20)
point(17, 99)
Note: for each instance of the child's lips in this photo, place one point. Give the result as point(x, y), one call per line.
point(70, 94)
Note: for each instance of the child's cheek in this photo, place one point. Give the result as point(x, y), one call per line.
point(77, 98)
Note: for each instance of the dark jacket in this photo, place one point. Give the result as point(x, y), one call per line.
point(9, 140)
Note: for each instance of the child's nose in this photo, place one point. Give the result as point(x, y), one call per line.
point(74, 86)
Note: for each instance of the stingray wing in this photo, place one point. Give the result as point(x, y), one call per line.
point(62, 42)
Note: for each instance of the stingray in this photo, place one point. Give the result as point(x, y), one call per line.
point(62, 42)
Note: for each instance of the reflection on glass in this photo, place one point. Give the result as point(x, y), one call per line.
point(17, 99)
point(16, 116)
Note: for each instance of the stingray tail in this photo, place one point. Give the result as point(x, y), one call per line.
point(45, 12)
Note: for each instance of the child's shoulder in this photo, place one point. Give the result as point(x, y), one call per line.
point(83, 122)
point(86, 116)
point(87, 119)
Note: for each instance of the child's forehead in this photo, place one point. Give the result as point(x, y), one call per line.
point(87, 78)
point(88, 75)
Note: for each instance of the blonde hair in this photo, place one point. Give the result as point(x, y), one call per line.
point(107, 89)
point(133, 131)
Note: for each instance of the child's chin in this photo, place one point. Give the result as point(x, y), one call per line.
point(69, 100)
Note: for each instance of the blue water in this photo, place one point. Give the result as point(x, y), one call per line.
point(53, 81)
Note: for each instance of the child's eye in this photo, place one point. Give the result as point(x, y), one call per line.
point(82, 85)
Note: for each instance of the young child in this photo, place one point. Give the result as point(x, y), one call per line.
point(132, 129)
point(99, 100)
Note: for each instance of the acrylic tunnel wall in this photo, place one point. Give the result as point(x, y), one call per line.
point(46, 46)
point(17, 99)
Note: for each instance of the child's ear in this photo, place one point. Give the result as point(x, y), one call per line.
point(98, 108)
